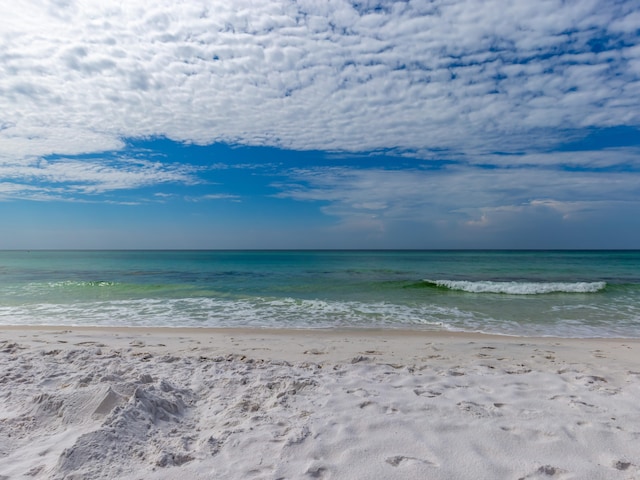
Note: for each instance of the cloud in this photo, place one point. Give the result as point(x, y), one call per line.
point(30, 141)
point(460, 197)
point(485, 112)
point(73, 179)
point(463, 77)
point(218, 196)
point(589, 159)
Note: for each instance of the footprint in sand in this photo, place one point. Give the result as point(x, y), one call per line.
point(426, 393)
point(622, 465)
point(399, 460)
point(478, 410)
point(545, 471)
point(316, 472)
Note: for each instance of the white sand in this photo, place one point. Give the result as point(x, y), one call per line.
point(242, 404)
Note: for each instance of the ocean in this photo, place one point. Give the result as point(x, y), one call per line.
point(577, 294)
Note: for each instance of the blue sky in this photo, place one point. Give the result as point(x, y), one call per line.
point(306, 124)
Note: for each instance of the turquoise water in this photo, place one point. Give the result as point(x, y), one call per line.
point(558, 293)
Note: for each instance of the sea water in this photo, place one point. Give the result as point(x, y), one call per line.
point(526, 293)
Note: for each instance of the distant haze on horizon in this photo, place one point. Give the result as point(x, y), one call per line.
point(444, 124)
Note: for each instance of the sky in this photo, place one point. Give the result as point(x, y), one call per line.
point(319, 124)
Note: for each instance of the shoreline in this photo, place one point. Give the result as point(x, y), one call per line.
point(333, 345)
point(165, 402)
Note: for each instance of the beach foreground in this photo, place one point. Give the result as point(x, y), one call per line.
point(132, 403)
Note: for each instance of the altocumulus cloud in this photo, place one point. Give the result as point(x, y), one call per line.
point(499, 83)
point(315, 75)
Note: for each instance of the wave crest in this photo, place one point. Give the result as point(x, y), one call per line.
point(519, 288)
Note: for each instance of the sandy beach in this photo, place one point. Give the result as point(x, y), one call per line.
point(158, 403)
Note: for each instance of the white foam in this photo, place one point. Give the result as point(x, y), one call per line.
point(256, 312)
point(557, 317)
point(520, 288)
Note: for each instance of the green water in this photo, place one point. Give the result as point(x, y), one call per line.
point(559, 293)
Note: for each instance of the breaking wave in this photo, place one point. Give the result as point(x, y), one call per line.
point(519, 288)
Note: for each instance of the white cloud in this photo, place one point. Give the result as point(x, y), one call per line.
point(443, 79)
point(591, 159)
point(462, 75)
point(28, 141)
point(459, 196)
point(69, 179)
point(220, 196)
